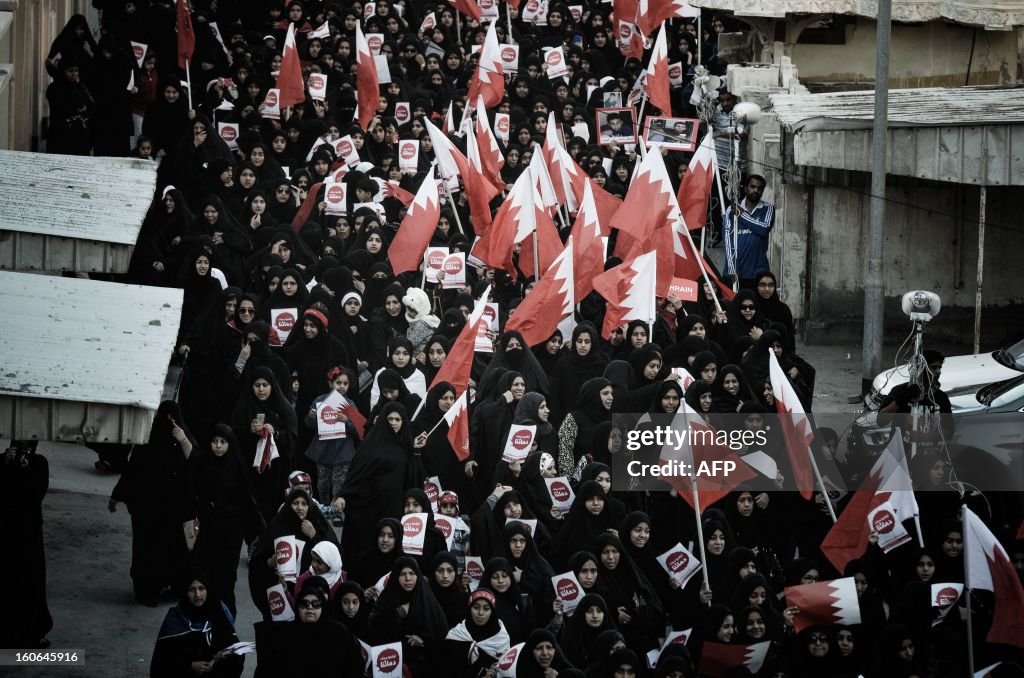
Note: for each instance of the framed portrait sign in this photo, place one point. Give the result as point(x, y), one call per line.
point(616, 126)
point(676, 134)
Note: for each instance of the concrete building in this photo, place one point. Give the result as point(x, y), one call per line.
point(945, 144)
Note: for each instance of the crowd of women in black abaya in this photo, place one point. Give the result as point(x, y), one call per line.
point(233, 229)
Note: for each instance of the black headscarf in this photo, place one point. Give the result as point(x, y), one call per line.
point(581, 528)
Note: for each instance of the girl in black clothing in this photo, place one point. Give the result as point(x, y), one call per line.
point(222, 497)
point(153, 487)
point(386, 464)
point(263, 414)
point(630, 596)
point(444, 582)
point(578, 634)
point(378, 559)
point(195, 632)
point(514, 607)
point(407, 612)
point(582, 361)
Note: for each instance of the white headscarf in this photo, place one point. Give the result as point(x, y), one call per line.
point(329, 553)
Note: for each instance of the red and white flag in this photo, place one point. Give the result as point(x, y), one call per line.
point(631, 42)
point(479, 189)
point(289, 78)
point(488, 80)
point(457, 418)
point(186, 36)
point(542, 180)
point(717, 658)
point(650, 13)
point(367, 81)
point(467, 7)
point(395, 191)
point(456, 367)
point(590, 248)
point(629, 289)
point(518, 214)
point(987, 567)
point(656, 83)
point(452, 163)
point(695, 188)
point(696, 450)
point(889, 481)
point(448, 124)
point(649, 202)
point(825, 603)
point(491, 158)
point(418, 227)
point(550, 305)
point(549, 245)
point(323, 32)
point(558, 163)
point(796, 427)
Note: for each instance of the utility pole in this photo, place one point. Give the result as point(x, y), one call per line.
point(874, 289)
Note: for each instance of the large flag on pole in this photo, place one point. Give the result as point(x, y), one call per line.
point(457, 418)
point(590, 248)
point(418, 227)
point(456, 367)
point(656, 83)
point(695, 188)
point(487, 146)
point(367, 81)
point(550, 305)
point(488, 80)
point(289, 78)
point(468, 7)
point(987, 567)
point(629, 289)
point(186, 37)
point(650, 13)
point(796, 427)
point(888, 481)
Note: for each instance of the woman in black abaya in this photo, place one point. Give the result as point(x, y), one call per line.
point(439, 459)
point(380, 556)
point(221, 497)
point(582, 361)
point(24, 479)
point(263, 411)
point(593, 406)
point(153, 488)
point(386, 464)
point(194, 634)
point(407, 612)
point(312, 355)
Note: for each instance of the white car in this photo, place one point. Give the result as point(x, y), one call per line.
point(962, 375)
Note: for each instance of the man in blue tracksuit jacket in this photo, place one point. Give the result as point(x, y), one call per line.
point(756, 220)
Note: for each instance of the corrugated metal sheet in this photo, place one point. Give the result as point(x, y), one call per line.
point(992, 14)
point(63, 212)
point(83, 360)
point(926, 107)
point(992, 155)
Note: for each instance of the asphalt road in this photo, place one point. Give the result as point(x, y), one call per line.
point(89, 549)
